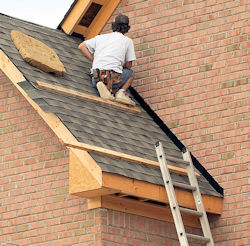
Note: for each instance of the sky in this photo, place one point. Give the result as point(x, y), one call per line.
point(43, 12)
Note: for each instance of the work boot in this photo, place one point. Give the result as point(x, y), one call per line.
point(120, 96)
point(104, 92)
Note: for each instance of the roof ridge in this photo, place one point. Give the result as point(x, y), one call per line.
point(29, 22)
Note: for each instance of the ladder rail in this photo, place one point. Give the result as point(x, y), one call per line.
point(171, 195)
point(198, 198)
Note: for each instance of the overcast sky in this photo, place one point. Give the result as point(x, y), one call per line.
point(44, 12)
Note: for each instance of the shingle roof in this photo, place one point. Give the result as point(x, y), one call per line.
point(91, 123)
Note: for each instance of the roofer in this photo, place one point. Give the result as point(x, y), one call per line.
point(112, 55)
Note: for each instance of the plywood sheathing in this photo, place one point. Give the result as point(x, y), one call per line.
point(37, 53)
point(85, 176)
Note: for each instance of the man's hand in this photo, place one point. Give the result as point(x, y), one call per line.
point(84, 49)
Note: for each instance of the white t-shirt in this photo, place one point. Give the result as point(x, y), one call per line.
point(111, 51)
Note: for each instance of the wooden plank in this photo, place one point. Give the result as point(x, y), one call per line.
point(84, 96)
point(94, 202)
point(75, 15)
point(10, 69)
point(155, 192)
point(123, 156)
point(81, 30)
point(140, 208)
point(86, 161)
point(80, 177)
point(85, 176)
point(102, 18)
point(102, 191)
point(102, 2)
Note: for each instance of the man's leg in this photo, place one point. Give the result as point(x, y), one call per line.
point(128, 77)
point(122, 92)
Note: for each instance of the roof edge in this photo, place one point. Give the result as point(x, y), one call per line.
point(175, 140)
point(126, 157)
point(28, 22)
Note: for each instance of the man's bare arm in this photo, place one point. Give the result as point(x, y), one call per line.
point(84, 49)
point(128, 64)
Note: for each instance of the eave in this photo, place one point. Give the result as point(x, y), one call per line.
point(116, 184)
point(107, 190)
point(124, 194)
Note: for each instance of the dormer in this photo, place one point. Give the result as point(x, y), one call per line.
point(88, 17)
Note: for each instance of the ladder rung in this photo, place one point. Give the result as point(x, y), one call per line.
point(184, 186)
point(204, 239)
point(191, 211)
point(177, 160)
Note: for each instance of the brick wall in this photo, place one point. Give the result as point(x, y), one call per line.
point(125, 229)
point(193, 70)
point(35, 207)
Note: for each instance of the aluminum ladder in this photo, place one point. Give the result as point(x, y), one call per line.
point(176, 210)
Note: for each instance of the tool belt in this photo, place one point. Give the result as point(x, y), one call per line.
point(108, 77)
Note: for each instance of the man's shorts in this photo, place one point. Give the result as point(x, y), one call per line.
point(126, 74)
